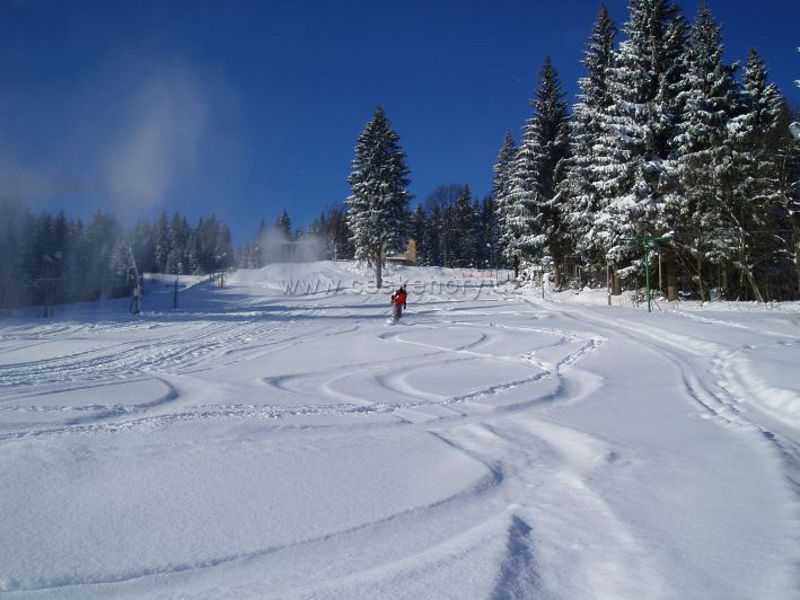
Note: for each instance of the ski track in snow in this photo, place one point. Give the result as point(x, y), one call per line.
point(514, 379)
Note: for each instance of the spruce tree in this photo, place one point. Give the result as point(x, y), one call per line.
point(702, 154)
point(284, 224)
point(162, 242)
point(501, 193)
point(465, 229)
point(488, 233)
point(791, 183)
point(539, 168)
point(746, 217)
point(637, 130)
point(432, 237)
point(378, 205)
point(580, 187)
point(418, 232)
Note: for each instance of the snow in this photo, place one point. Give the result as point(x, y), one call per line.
point(493, 444)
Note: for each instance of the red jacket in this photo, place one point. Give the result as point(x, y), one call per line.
point(399, 297)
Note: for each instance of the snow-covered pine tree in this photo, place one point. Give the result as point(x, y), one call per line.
point(501, 192)
point(431, 238)
point(224, 248)
point(593, 99)
point(632, 169)
point(746, 218)
point(791, 154)
point(162, 242)
point(284, 224)
point(257, 247)
point(378, 206)
point(143, 245)
point(193, 252)
point(465, 230)
point(702, 156)
point(178, 238)
point(489, 232)
point(539, 168)
point(418, 233)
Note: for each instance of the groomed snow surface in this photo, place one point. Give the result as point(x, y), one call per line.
point(278, 439)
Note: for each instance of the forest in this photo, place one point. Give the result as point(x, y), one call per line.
point(671, 159)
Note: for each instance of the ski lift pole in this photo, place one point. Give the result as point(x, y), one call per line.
point(647, 244)
point(136, 305)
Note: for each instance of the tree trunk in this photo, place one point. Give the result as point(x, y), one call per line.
point(723, 284)
point(616, 288)
point(672, 280)
point(752, 281)
point(569, 269)
point(379, 272)
point(742, 288)
point(700, 275)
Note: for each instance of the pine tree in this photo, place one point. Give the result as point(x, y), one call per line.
point(631, 169)
point(791, 183)
point(507, 248)
point(15, 225)
point(378, 205)
point(143, 246)
point(162, 242)
point(746, 216)
point(339, 232)
point(257, 247)
point(418, 232)
point(223, 255)
point(488, 232)
point(465, 229)
point(102, 236)
point(432, 237)
point(284, 224)
point(178, 241)
point(77, 260)
point(537, 208)
point(708, 102)
point(580, 186)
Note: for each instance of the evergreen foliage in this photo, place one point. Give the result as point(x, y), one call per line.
point(378, 206)
point(580, 187)
point(52, 259)
point(507, 233)
point(537, 214)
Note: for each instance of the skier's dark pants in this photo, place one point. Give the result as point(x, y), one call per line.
point(397, 311)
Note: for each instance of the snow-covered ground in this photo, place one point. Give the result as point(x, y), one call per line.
point(256, 443)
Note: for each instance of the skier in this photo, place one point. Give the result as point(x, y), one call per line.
point(399, 302)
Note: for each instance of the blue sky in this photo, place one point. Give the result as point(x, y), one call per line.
point(246, 108)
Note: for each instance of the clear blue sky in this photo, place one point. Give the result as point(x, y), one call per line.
point(244, 108)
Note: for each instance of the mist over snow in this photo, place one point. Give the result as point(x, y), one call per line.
point(276, 247)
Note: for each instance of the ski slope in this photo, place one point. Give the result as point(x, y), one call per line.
point(256, 443)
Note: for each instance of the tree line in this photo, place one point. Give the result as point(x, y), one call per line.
point(669, 149)
point(49, 259)
point(666, 148)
